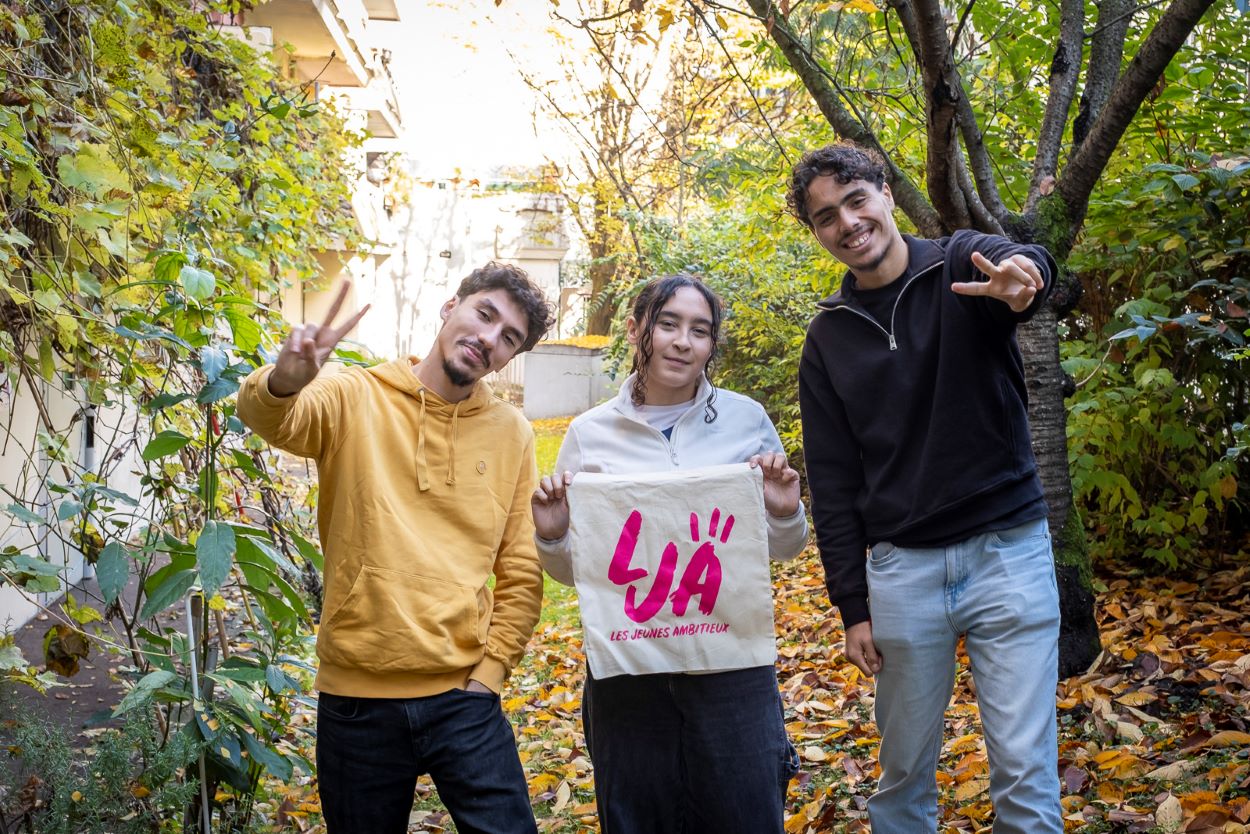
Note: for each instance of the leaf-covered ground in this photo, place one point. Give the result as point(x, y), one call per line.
point(1153, 740)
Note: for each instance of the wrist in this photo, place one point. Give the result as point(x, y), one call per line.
point(278, 387)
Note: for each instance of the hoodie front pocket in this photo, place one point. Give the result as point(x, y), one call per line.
point(393, 621)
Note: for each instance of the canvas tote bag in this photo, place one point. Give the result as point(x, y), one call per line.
point(671, 570)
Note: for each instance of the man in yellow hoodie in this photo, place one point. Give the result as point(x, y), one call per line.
point(425, 483)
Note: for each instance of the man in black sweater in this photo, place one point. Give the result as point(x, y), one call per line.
point(928, 510)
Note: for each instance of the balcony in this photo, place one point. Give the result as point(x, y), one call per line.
point(318, 29)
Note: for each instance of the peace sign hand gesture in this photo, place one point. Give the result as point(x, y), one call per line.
point(308, 347)
point(1015, 281)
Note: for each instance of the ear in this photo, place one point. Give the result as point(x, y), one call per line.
point(448, 307)
point(889, 197)
point(632, 331)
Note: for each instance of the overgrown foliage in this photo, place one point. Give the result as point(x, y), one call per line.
point(160, 185)
point(1157, 429)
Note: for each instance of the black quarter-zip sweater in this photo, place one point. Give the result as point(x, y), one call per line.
point(915, 412)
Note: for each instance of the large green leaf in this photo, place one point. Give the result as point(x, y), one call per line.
point(112, 570)
point(214, 554)
point(198, 283)
point(164, 444)
point(171, 589)
point(92, 170)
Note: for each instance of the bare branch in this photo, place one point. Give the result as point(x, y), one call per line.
point(1065, 68)
point(1106, 52)
point(826, 95)
point(734, 66)
point(1160, 46)
point(947, 106)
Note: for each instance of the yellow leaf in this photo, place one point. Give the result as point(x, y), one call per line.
point(1228, 738)
point(971, 789)
point(543, 782)
point(139, 792)
point(866, 6)
point(1136, 699)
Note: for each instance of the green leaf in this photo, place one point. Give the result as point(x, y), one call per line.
point(164, 444)
point(68, 509)
point(246, 331)
point(22, 514)
point(216, 390)
point(213, 361)
point(169, 265)
point(112, 570)
point(144, 690)
point(11, 658)
point(267, 757)
point(92, 170)
point(214, 554)
point(47, 360)
point(172, 589)
point(198, 283)
point(163, 401)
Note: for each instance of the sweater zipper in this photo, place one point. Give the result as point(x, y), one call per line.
point(889, 334)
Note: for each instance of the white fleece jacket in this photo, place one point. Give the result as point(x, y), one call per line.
point(613, 438)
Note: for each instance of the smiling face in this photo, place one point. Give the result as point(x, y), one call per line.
point(854, 221)
point(480, 334)
point(681, 341)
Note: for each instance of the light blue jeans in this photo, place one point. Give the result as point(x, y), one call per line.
point(998, 589)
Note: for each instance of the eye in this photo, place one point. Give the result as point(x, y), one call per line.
point(701, 332)
point(510, 339)
point(665, 324)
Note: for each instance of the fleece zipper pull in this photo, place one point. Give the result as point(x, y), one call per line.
point(893, 344)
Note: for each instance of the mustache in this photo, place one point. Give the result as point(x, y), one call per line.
point(481, 349)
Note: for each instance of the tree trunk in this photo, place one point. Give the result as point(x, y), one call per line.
point(1078, 632)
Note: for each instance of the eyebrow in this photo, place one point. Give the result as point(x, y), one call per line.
point(858, 192)
point(664, 314)
point(511, 331)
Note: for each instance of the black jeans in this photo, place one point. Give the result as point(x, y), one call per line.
point(370, 752)
point(689, 754)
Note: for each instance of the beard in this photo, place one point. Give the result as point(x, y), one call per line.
point(458, 376)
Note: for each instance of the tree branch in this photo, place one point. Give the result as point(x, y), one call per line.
point(824, 92)
point(1087, 164)
point(1106, 52)
point(942, 90)
point(1065, 69)
point(950, 106)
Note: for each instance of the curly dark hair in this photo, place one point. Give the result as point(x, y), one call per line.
point(647, 307)
point(844, 161)
point(539, 313)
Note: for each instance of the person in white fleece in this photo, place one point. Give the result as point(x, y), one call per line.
point(679, 752)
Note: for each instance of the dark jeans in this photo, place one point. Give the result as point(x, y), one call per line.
point(688, 754)
point(370, 752)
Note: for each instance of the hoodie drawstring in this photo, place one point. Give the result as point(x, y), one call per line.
point(423, 480)
point(452, 432)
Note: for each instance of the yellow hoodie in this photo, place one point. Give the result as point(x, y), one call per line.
point(420, 501)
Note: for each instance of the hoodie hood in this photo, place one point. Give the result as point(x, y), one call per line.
point(398, 374)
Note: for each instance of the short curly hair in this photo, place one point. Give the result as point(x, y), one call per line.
point(516, 282)
point(844, 161)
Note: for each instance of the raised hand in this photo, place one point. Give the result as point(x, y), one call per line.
point(550, 505)
point(781, 484)
point(309, 346)
point(1015, 281)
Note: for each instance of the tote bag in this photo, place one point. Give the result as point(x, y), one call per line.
point(671, 570)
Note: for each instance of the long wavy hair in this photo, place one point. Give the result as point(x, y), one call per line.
point(647, 307)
